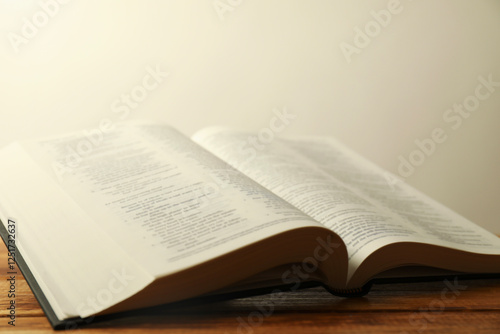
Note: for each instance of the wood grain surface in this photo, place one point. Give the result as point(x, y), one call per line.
point(473, 306)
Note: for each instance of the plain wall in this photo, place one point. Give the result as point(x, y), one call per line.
point(235, 67)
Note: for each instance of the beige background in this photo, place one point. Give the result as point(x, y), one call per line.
point(269, 54)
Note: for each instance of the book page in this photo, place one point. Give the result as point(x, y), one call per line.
point(165, 200)
point(346, 193)
point(80, 270)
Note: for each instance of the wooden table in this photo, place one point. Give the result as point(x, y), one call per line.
point(398, 308)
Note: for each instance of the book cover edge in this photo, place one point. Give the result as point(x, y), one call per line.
point(54, 321)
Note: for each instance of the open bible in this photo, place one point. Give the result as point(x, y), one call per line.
point(141, 215)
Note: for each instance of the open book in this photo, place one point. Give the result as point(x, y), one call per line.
point(141, 215)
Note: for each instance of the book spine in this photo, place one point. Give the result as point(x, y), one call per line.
point(352, 292)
